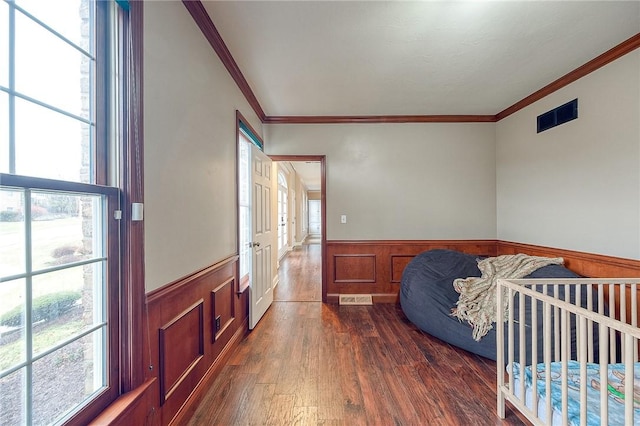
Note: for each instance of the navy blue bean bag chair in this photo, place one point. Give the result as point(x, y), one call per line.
point(427, 297)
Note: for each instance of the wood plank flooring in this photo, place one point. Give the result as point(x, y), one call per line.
point(300, 276)
point(312, 364)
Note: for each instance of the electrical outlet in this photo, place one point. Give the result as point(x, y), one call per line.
point(218, 323)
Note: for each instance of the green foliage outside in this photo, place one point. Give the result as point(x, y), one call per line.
point(11, 216)
point(46, 307)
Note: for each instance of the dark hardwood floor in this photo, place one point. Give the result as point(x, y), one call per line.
point(307, 363)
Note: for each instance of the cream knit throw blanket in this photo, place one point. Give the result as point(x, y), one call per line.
point(477, 301)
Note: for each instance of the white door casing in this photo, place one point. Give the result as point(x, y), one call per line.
point(261, 294)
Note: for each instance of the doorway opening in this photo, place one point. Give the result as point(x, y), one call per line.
point(306, 229)
point(315, 224)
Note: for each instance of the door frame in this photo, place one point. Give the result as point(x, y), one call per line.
point(323, 208)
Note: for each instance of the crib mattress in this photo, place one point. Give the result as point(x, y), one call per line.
point(615, 389)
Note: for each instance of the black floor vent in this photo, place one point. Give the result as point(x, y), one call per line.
point(558, 116)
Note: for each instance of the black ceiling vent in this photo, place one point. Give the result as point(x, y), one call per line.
point(558, 116)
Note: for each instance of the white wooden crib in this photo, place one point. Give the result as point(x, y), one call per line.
point(604, 350)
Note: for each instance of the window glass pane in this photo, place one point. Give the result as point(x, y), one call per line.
point(63, 16)
point(4, 131)
point(12, 337)
point(12, 407)
point(62, 307)
point(244, 173)
point(4, 44)
point(49, 144)
point(65, 228)
point(244, 189)
point(245, 239)
point(12, 236)
point(37, 50)
point(66, 377)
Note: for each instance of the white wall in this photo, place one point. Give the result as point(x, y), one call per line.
point(401, 181)
point(576, 186)
point(190, 147)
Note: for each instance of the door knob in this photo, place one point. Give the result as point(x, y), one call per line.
point(256, 244)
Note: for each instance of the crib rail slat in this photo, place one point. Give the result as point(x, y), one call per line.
point(604, 362)
point(582, 322)
point(534, 346)
point(583, 371)
point(564, 353)
point(629, 397)
point(547, 357)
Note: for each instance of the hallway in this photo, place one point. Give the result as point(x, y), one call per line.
point(300, 275)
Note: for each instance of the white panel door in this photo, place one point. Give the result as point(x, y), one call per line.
point(261, 294)
point(315, 223)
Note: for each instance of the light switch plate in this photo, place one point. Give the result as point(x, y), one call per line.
point(343, 218)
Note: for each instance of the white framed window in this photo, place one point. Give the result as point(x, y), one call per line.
point(283, 216)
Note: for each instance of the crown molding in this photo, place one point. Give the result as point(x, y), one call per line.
point(209, 30)
point(607, 57)
point(204, 22)
point(345, 119)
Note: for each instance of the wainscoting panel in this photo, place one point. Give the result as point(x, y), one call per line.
point(181, 347)
point(222, 314)
point(194, 324)
point(375, 267)
point(398, 263)
point(354, 268)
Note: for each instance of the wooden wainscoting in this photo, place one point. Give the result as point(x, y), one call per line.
point(586, 264)
point(194, 323)
point(137, 407)
point(375, 267)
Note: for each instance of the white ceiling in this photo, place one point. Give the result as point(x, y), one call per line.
point(309, 172)
point(410, 57)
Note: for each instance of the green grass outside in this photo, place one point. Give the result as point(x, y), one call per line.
point(49, 234)
point(13, 353)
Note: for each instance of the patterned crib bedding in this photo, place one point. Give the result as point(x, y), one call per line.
point(615, 388)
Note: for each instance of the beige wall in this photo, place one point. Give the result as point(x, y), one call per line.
point(301, 190)
point(401, 181)
point(190, 147)
point(314, 195)
point(576, 186)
